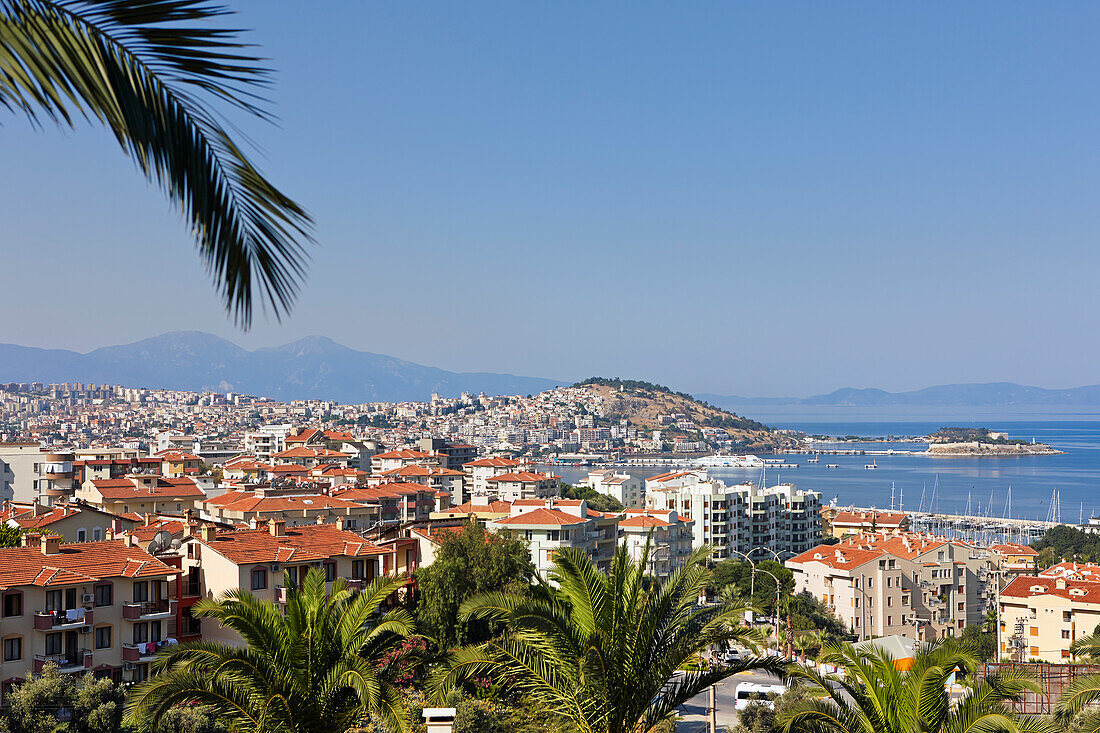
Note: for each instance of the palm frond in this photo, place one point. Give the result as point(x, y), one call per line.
point(143, 69)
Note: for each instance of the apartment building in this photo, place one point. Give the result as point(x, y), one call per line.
point(524, 485)
point(73, 522)
point(308, 457)
point(101, 607)
point(434, 477)
point(266, 441)
point(863, 587)
point(626, 489)
point(29, 472)
point(455, 455)
point(551, 525)
point(267, 560)
point(142, 493)
point(669, 537)
point(844, 523)
point(399, 501)
point(481, 507)
point(1041, 616)
point(388, 461)
point(480, 471)
point(716, 513)
point(292, 505)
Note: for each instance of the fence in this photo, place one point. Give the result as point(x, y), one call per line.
point(1053, 678)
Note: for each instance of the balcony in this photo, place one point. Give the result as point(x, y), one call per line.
point(192, 588)
point(76, 660)
point(73, 618)
point(148, 610)
point(144, 651)
point(282, 594)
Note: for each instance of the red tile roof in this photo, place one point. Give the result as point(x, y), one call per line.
point(644, 522)
point(128, 488)
point(310, 502)
point(542, 517)
point(841, 557)
point(523, 477)
point(496, 463)
point(404, 454)
point(80, 562)
point(1011, 548)
point(307, 543)
point(1028, 586)
point(881, 519)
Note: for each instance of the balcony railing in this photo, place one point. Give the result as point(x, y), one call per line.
point(144, 650)
point(62, 618)
point(192, 588)
point(68, 661)
point(141, 609)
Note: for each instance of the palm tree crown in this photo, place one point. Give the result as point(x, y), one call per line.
point(603, 649)
point(875, 695)
point(146, 69)
point(312, 669)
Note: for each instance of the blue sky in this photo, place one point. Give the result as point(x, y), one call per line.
point(757, 199)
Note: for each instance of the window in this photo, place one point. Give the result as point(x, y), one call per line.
point(889, 601)
point(103, 595)
point(889, 620)
point(82, 535)
point(141, 633)
point(53, 643)
point(13, 649)
point(53, 600)
point(962, 606)
point(141, 591)
point(330, 571)
point(1034, 631)
point(356, 569)
point(259, 579)
point(193, 625)
point(103, 637)
point(97, 534)
point(1065, 633)
point(13, 606)
point(1067, 616)
point(154, 631)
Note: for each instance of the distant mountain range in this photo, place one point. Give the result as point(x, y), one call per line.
point(311, 368)
point(991, 394)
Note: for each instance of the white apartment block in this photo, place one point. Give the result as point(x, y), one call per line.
point(29, 472)
point(707, 502)
point(626, 489)
point(554, 524)
point(669, 537)
point(267, 441)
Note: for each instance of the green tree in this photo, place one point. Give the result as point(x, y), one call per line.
point(312, 669)
point(191, 719)
point(468, 562)
point(983, 640)
point(594, 499)
point(94, 705)
point(153, 72)
point(602, 649)
point(875, 696)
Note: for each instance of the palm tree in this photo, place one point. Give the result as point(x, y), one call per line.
point(601, 649)
point(1087, 647)
point(876, 696)
point(312, 669)
point(1076, 708)
point(152, 71)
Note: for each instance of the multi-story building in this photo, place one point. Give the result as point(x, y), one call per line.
point(843, 523)
point(388, 461)
point(292, 505)
point(142, 493)
point(524, 485)
point(480, 471)
point(456, 455)
point(268, 560)
point(29, 472)
point(706, 502)
point(626, 489)
point(1041, 616)
point(554, 524)
point(398, 501)
point(73, 522)
point(669, 538)
point(266, 441)
point(863, 587)
point(100, 607)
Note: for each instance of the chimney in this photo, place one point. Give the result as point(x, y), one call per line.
point(278, 527)
point(109, 534)
point(51, 544)
point(189, 529)
point(148, 519)
point(340, 523)
point(208, 532)
point(38, 508)
point(30, 539)
point(320, 519)
point(1060, 584)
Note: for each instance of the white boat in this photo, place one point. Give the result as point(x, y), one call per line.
point(721, 461)
point(832, 465)
point(813, 460)
point(871, 466)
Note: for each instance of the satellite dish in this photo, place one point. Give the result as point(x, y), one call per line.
point(160, 541)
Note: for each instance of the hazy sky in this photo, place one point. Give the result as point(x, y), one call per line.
point(747, 198)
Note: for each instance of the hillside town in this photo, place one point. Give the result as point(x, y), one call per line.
point(132, 505)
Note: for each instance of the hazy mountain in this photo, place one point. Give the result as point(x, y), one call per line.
point(991, 394)
point(311, 368)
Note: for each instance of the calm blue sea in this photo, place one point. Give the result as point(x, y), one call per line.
point(948, 482)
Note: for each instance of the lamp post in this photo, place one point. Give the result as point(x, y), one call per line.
point(776, 609)
point(752, 581)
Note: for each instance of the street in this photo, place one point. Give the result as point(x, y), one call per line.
point(694, 714)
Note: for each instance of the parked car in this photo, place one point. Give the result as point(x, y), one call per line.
point(756, 692)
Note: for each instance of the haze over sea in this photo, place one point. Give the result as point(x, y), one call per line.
point(1076, 474)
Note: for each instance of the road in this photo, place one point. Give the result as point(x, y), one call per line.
point(694, 714)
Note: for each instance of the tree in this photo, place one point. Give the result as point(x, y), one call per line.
point(312, 669)
point(983, 640)
point(152, 72)
point(191, 719)
point(594, 499)
point(468, 562)
point(875, 696)
point(94, 705)
point(600, 649)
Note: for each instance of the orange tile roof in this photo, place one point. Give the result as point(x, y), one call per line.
point(881, 519)
point(307, 543)
point(80, 562)
point(149, 531)
point(421, 471)
point(493, 507)
point(523, 477)
point(403, 454)
point(309, 502)
point(303, 452)
point(1085, 591)
point(496, 463)
point(849, 557)
point(128, 488)
point(644, 522)
point(543, 517)
point(1011, 548)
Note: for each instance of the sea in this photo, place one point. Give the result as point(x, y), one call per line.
point(1062, 488)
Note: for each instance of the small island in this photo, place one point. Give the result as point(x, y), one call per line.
point(983, 442)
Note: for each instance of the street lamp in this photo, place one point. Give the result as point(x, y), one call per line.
point(752, 581)
point(775, 611)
